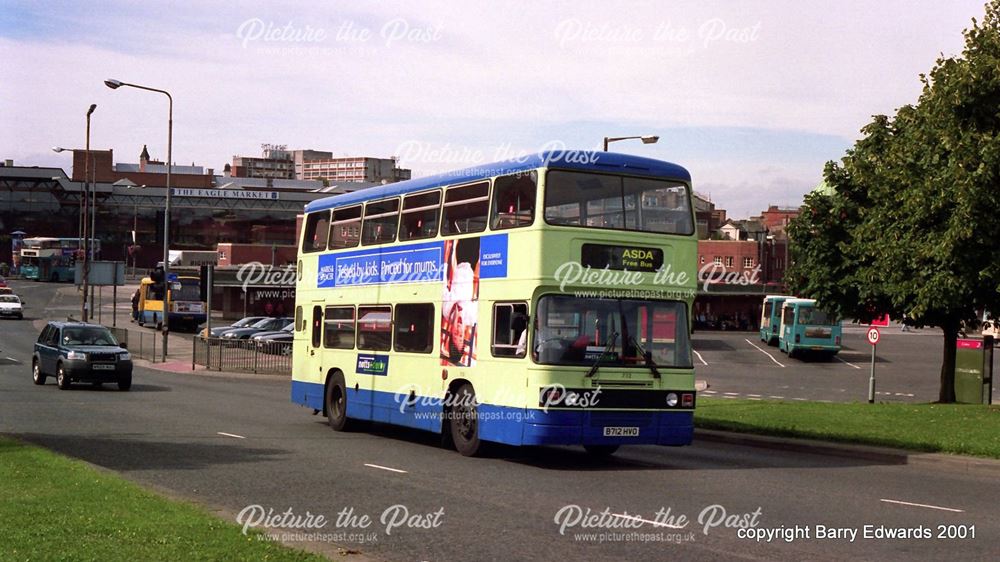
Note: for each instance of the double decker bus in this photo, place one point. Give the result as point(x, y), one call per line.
point(541, 301)
point(51, 259)
point(187, 309)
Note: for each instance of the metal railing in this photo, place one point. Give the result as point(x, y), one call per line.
point(243, 356)
point(140, 345)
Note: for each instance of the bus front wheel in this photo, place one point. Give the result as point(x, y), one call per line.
point(336, 403)
point(465, 422)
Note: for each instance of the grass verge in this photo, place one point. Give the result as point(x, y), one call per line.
point(56, 508)
point(953, 428)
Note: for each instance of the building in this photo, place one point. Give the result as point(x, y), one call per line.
point(775, 219)
point(277, 162)
point(707, 217)
point(734, 276)
point(206, 209)
point(746, 229)
point(353, 169)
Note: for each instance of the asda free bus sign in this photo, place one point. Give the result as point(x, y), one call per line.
point(413, 263)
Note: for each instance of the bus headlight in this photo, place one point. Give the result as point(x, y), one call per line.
point(672, 399)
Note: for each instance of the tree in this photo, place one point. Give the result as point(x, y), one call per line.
point(911, 224)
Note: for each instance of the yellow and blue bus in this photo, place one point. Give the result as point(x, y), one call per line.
point(805, 328)
point(540, 301)
point(187, 310)
point(770, 318)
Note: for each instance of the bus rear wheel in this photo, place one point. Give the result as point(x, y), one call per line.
point(465, 422)
point(336, 403)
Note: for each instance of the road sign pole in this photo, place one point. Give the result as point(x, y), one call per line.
point(871, 379)
point(873, 337)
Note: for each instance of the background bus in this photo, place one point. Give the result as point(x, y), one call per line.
point(51, 259)
point(187, 310)
point(808, 329)
point(435, 303)
point(770, 318)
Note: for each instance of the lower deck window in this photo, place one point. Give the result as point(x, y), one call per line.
point(414, 328)
point(375, 328)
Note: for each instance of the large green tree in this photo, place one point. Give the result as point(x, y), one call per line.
point(910, 223)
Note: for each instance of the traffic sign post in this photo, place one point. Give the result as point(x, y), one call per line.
point(873, 337)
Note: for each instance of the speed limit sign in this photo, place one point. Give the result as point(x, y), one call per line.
point(873, 335)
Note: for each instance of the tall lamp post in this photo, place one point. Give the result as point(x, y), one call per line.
point(88, 205)
point(114, 85)
point(646, 139)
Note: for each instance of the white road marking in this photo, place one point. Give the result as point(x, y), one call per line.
point(15, 360)
point(386, 468)
point(653, 523)
point(801, 399)
point(846, 362)
point(731, 397)
point(953, 510)
point(230, 435)
point(709, 392)
point(777, 397)
point(731, 393)
point(754, 398)
point(764, 352)
point(700, 358)
point(754, 395)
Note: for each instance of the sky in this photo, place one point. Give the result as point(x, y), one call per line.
point(751, 97)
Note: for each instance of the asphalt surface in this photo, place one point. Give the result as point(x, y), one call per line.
point(907, 368)
point(229, 443)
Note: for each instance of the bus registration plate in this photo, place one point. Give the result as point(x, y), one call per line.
point(621, 431)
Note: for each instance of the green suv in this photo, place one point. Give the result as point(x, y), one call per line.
point(74, 351)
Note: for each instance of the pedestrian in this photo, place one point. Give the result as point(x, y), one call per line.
point(135, 306)
point(905, 327)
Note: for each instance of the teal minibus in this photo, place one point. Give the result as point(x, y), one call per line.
point(770, 318)
point(805, 328)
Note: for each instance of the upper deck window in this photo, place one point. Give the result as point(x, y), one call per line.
point(466, 209)
point(316, 230)
point(381, 218)
point(514, 200)
point(345, 230)
point(617, 203)
point(420, 216)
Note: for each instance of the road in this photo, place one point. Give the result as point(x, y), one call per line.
point(229, 443)
point(739, 365)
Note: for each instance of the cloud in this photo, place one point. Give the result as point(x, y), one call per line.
point(791, 86)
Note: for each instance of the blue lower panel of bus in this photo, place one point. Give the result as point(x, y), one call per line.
point(514, 426)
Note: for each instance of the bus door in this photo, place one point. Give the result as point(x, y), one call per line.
point(787, 325)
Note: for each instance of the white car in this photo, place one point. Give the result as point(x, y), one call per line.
point(10, 307)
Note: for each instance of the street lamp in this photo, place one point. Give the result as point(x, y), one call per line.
point(86, 204)
point(646, 139)
point(135, 216)
point(84, 199)
point(114, 85)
